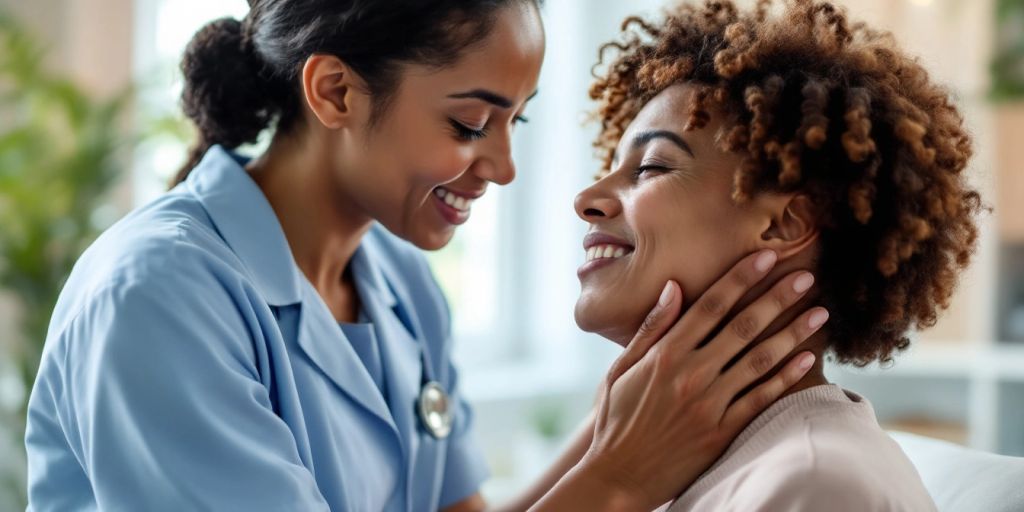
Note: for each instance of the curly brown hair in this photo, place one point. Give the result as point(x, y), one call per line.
point(836, 110)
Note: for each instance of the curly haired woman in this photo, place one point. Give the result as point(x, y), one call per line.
point(789, 128)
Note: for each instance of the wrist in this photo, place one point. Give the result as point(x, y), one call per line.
point(589, 486)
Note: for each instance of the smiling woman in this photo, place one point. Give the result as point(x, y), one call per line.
point(267, 281)
point(793, 129)
point(396, 178)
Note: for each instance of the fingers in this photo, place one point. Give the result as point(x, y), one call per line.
point(740, 413)
point(714, 304)
point(658, 321)
point(755, 318)
point(762, 358)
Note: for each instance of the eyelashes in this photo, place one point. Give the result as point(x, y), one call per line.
point(465, 133)
point(640, 171)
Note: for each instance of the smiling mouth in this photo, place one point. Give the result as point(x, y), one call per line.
point(607, 251)
point(457, 202)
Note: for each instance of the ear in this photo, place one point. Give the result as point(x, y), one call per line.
point(789, 224)
point(333, 91)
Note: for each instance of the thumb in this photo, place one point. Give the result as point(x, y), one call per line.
point(655, 325)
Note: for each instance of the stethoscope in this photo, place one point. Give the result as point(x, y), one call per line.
point(433, 405)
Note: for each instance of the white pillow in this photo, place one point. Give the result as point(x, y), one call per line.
point(961, 479)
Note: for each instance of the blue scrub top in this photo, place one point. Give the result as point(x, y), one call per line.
point(190, 365)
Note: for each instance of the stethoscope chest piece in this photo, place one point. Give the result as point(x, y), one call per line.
point(435, 410)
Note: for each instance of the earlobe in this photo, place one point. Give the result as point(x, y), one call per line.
point(327, 86)
point(791, 225)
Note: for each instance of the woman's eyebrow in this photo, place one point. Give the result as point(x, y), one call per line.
point(643, 138)
point(489, 96)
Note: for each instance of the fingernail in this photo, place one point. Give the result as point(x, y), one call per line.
point(666, 295)
point(818, 319)
point(806, 362)
point(803, 283)
point(765, 261)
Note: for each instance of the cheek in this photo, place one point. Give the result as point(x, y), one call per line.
point(446, 162)
point(687, 236)
point(418, 145)
point(434, 157)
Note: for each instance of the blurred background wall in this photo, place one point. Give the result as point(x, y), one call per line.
point(510, 273)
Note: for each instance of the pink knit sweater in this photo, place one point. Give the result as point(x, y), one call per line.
point(819, 449)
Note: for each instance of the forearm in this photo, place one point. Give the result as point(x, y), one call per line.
point(581, 490)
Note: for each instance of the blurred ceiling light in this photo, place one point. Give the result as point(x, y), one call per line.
point(922, 3)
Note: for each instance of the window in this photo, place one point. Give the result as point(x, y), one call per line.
point(163, 29)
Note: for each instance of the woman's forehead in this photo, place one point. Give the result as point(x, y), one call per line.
point(669, 111)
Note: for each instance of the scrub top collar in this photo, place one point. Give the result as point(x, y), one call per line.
point(370, 277)
point(246, 221)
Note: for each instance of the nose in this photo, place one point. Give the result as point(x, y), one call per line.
point(496, 164)
point(597, 202)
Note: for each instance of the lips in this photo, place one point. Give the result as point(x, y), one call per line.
point(596, 239)
point(603, 249)
point(454, 205)
point(461, 201)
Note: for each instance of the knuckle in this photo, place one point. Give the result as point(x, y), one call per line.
point(704, 410)
point(781, 299)
point(713, 439)
point(741, 278)
point(744, 327)
point(663, 361)
point(718, 438)
point(796, 335)
point(689, 385)
point(712, 305)
point(760, 400)
point(760, 361)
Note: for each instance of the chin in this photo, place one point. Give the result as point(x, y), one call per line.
point(430, 240)
point(592, 321)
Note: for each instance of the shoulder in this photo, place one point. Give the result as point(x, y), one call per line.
point(838, 458)
point(151, 303)
point(164, 250)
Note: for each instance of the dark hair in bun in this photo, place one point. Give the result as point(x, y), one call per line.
point(243, 76)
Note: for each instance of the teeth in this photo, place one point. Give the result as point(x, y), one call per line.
point(457, 202)
point(606, 251)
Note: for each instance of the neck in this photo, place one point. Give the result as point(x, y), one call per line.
point(322, 224)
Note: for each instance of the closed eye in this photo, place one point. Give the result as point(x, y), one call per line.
point(649, 168)
point(466, 133)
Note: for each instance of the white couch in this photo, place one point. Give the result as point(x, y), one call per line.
point(964, 480)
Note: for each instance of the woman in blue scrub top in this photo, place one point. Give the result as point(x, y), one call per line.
point(259, 338)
